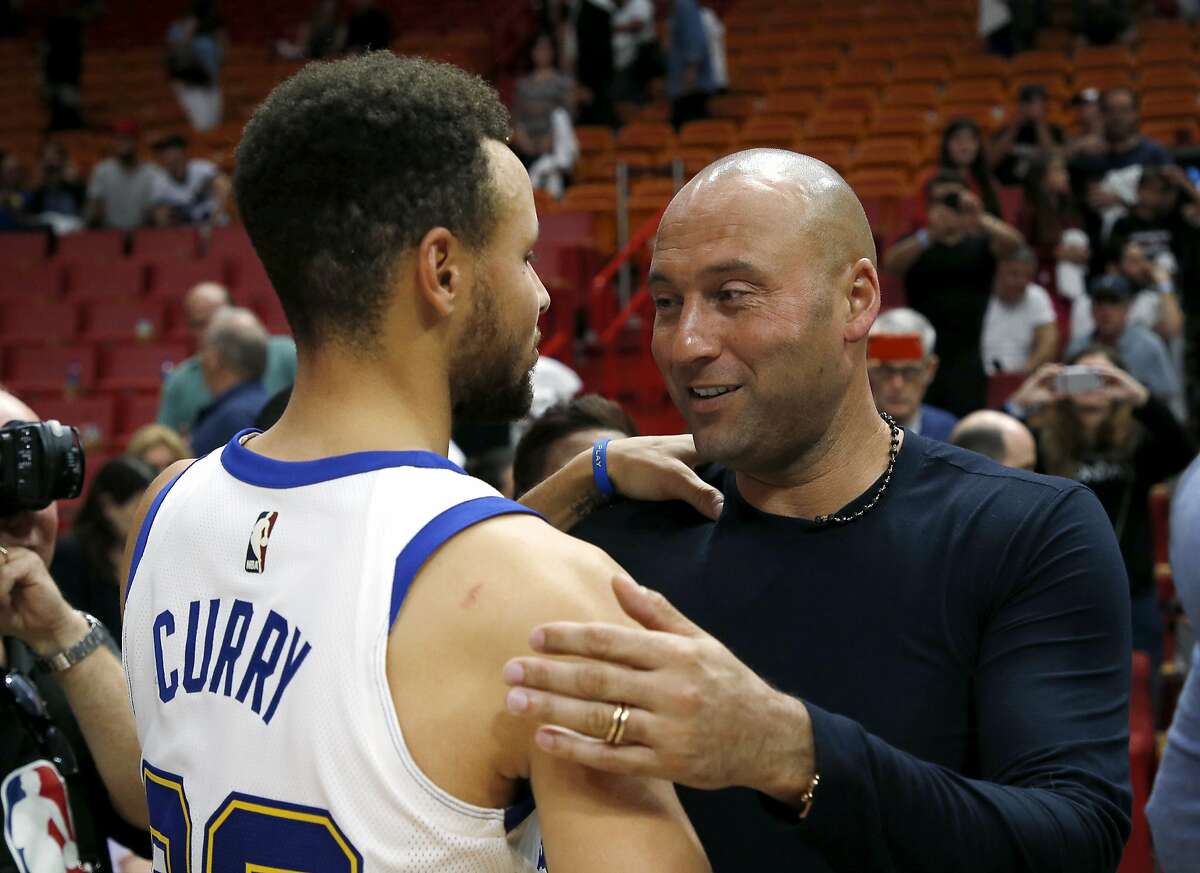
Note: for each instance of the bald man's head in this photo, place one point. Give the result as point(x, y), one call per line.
point(765, 286)
point(998, 436)
point(201, 303)
point(825, 215)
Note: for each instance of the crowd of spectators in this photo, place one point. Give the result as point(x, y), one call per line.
point(125, 191)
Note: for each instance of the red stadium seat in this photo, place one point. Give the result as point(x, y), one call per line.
point(162, 242)
point(91, 246)
point(52, 368)
point(138, 409)
point(21, 282)
point(224, 242)
point(92, 281)
point(171, 278)
point(39, 322)
point(95, 415)
point(22, 248)
point(140, 367)
point(120, 320)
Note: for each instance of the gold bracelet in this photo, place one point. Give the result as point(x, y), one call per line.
point(806, 799)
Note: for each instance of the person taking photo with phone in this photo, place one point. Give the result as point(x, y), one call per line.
point(1145, 354)
point(1098, 424)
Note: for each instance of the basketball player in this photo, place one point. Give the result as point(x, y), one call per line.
point(316, 617)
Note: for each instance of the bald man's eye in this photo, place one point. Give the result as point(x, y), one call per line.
point(731, 295)
point(663, 303)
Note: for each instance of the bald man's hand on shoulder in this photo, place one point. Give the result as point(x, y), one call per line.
point(471, 609)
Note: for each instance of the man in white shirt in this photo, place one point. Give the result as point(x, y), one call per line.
point(121, 188)
point(1020, 329)
point(632, 29)
point(188, 190)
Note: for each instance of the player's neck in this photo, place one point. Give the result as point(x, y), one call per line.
point(837, 469)
point(341, 404)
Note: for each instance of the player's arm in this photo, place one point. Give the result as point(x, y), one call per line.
point(641, 468)
point(470, 610)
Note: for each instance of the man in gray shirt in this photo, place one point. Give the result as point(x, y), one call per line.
point(121, 189)
point(1143, 353)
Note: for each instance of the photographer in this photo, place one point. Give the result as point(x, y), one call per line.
point(1119, 440)
point(69, 756)
point(948, 268)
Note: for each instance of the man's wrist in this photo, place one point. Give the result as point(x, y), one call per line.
point(792, 765)
point(64, 634)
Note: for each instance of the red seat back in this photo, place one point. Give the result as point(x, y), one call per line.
point(125, 320)
point(39, 322)
point(50, 368)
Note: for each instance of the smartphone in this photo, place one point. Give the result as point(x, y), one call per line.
point(1078, 380)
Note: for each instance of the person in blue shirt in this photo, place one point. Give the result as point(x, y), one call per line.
point(899, 383)
point(1144, 354)
point(1174, 808)
point(932, 651)
point(690, 79)
point(233, 359)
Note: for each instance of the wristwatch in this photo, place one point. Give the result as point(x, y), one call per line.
point(96, 637)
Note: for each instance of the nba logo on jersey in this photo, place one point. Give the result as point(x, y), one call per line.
point(37, 820)
point(256, 549)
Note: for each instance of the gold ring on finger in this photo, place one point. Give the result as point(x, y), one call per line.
point(616, 729)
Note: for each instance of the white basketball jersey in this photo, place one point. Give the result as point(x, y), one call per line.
point(260, 599)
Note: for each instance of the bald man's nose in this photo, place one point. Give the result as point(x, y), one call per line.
point(695, 335)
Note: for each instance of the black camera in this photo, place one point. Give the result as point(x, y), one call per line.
point(40, 462)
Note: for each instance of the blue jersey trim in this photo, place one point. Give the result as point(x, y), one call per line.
point(255, 469)
point(144, 533)
point(435, 534)
point(520, 809)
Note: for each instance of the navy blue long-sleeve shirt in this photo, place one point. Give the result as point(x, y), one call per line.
point(963, 650)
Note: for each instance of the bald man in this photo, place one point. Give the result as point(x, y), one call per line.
point(233, 360)
point(932, 652)
point(998, 436)
point(184, 392)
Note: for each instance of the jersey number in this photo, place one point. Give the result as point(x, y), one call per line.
point(245, 835)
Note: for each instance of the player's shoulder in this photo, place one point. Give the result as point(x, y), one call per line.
point(516, 566)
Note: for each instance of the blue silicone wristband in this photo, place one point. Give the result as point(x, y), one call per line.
point(600, 468)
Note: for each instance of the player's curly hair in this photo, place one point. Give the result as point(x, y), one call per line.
point(346, 166)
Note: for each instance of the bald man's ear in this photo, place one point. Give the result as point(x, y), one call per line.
point(863, 297)
point(439, 270)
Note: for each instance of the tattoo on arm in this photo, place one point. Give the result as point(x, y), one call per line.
point(585, 505)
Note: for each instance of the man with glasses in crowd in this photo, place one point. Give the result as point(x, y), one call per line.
point(901, 364)
point(68, 750)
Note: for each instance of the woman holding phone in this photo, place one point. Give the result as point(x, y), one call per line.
point(1098, 425)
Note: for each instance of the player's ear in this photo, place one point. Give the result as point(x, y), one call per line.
point(439, 270)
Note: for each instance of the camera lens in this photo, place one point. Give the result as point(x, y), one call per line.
point(66, 477)
point(40, 462)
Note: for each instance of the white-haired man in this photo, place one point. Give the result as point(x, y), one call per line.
point(901, 365)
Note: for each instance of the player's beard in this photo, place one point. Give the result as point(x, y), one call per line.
point(492, 380)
